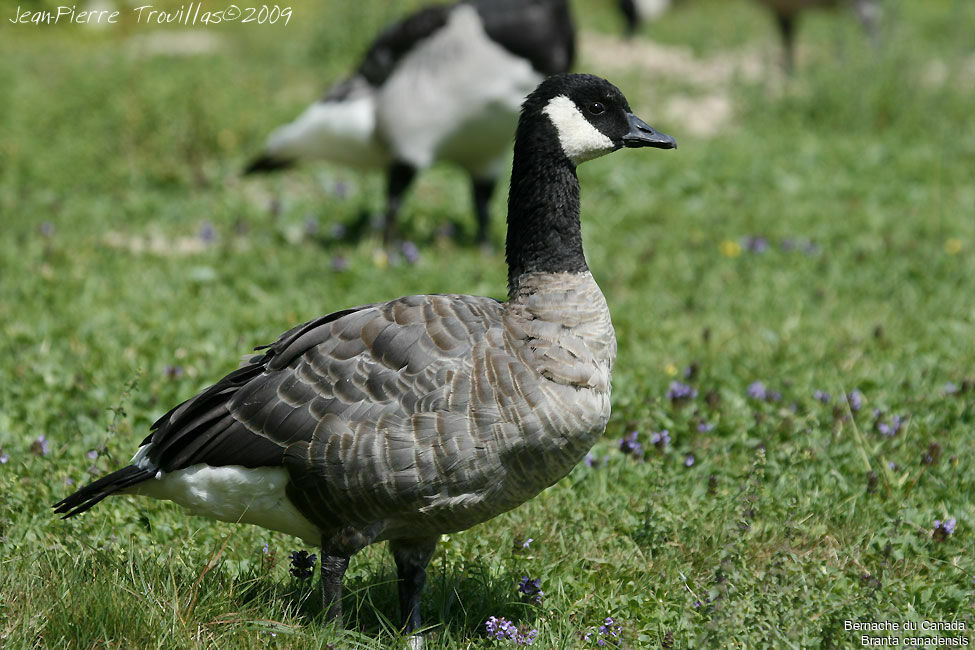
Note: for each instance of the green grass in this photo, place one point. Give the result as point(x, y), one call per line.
point(858, 173)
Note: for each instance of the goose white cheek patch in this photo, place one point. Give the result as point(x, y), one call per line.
point(580, 140)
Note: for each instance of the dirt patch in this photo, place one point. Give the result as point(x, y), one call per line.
point(157, 244)
point(704, 115)
point(173, 43)
point(671, 61)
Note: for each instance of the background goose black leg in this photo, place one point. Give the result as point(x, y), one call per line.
point(787, 29)
point(398, 179)
point(630, 16)
point(483, 190)
point(412, 557)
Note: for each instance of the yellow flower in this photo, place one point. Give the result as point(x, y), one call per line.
point(952, 245)
point(730, 248)
point(380, 258)
point(670, 369)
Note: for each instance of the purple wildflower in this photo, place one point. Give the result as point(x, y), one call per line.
point(889, 428)
point(173, 372)
point(756, 244)
point(629, 445)
point(40, 446)
point(809, 247)
point(339, 263)
point(338, 231)
point(950, 389)
point(4, 458)
point(67, 480)
point(302, 564)
point(660, 439)
point(595, 461)
point(311, 226)
point(267, 548)
point(207, 232)
point(610, 632)
point(501, 629)
point(703, 426)
point(47, 229)
point(92, 455)
point(526, 636)
point(531, 588)
point(410, 252)
point(680, 392)
point(788, 244)
point(942, 529)
point(892, 465)
point(757, 390)
point(821, 396)
point(688, 460)
point(525, 544)
point(855, 399)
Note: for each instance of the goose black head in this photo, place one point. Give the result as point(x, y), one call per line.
point(591, 117)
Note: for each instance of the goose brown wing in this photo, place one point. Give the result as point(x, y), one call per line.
point(356, 365)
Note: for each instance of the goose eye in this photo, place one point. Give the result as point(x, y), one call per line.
point(596, 108)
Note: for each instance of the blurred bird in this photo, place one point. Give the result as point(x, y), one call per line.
point(446, 83)
point(787, 13)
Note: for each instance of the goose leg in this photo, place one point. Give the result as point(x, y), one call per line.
point(787, 29)
point(333, 570)
point(483, 190)
point(412, 557)
point(868, 13)
point(628, 9)
point(398, 179)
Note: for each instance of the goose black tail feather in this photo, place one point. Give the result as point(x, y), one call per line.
point(92, 493)
point(267, 164)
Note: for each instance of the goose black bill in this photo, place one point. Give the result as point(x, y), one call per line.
point(643, 135)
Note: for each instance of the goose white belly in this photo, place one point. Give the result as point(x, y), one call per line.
point(433, 105)
point(235, 494)
point(651, 9)
point(342, 131)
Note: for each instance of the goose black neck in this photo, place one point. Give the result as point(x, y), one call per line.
point(544, 233)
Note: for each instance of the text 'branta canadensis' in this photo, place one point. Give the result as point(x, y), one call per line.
point(446, 83)
point(424, 415)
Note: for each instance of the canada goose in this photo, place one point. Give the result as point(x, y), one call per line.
point(446, 83)
point(424, 415)
point(787, 13)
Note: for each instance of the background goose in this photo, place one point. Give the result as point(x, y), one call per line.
point(404, 420)
point(787, 13)
point(446, 83)
point(637, 11)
